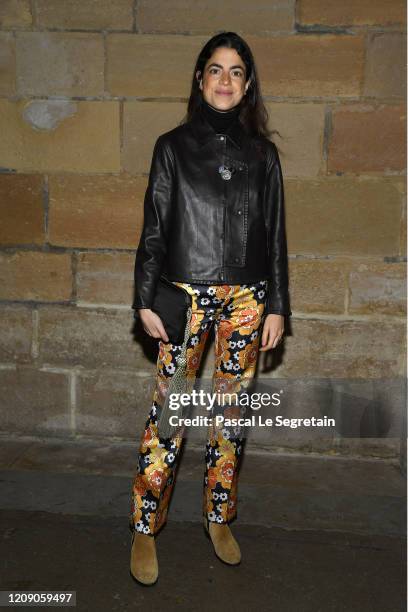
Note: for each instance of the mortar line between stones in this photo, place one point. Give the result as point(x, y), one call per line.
point(35, 346)
point(105, 65)
point(33, 10)
point(347, 295)
point(403, 220)
point(46, 206)
point(134, 15)
point(73, 400)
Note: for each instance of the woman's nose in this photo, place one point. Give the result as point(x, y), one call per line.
point(225, 78)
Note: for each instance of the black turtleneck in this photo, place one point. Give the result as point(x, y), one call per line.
point(221, 121)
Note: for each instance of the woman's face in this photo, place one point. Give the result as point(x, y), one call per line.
point(223, 83)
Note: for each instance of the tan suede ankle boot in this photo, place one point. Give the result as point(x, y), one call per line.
point(225, 545)
point(143, 560)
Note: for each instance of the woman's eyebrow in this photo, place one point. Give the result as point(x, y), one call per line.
point(219, 66)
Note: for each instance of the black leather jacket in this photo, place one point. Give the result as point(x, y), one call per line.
point(202, 228)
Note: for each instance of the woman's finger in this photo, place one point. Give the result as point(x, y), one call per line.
point(272, 342)
point(265, 335)
point(163, 334)
point(268, 343)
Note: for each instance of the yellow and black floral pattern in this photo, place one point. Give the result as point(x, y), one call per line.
point(237, 313)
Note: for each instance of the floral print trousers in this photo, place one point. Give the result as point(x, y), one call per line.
point(237, 312)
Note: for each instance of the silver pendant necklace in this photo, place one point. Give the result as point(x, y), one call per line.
point(225, 172)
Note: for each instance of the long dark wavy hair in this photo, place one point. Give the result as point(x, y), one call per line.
point(253, 115)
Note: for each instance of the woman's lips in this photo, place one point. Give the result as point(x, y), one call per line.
point(224, 93)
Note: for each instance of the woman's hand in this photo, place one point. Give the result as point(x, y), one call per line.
point(152, 324)
point(272, 332)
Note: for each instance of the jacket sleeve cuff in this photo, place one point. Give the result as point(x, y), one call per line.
point(137, 304)
point(284, 313)
point(280, 305)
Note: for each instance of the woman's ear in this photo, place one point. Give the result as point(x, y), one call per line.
point(199, 79)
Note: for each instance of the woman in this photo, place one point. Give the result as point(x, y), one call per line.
point(214, 225)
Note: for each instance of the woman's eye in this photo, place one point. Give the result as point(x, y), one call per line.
point(235, 73)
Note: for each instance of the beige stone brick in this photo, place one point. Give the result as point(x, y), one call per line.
point(34, 401)
point(341, 349)
point(241, 16)
point(60, 135)
point(22, 215)
point(367, 139)
point(340, 216)
point(32, 275)
point(378, 288)
point(318, 285)
point(96, 211)
point(88, 337)
point(385, 72)
point(309, 65)
point(349, 12)
point(143, 122)
point(7, 64)
point(15, 14)
point(60, 63)
point(113, 403)
point(85, 14)
point(16, 334)
point(146, 65)
point(298, 123)
point(105, 278)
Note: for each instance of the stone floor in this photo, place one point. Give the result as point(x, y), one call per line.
point(316, 533)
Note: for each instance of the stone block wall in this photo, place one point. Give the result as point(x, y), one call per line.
point(86, 86)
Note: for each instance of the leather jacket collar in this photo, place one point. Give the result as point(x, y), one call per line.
point(204, 132)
